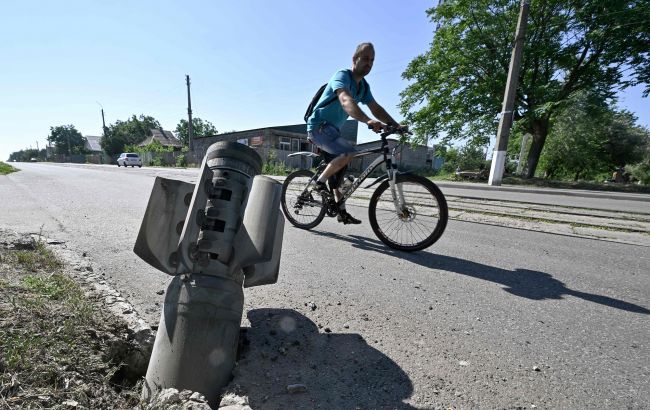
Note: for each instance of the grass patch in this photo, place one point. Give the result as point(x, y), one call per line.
point(276, 169)
point(6, 168)
point(588, 185)
point(545, 183)
point(36, 256)
point(55, 346)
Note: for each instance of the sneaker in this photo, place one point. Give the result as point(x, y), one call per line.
point(345, 218)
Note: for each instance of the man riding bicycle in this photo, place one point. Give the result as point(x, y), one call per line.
point(340, 99)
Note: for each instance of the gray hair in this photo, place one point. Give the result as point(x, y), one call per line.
point(360, 48)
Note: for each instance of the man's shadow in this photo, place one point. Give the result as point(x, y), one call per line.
point(339, 370)
point(525, 283)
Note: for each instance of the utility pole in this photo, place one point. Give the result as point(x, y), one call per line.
point(103, 121)
point(189, 113)
point(501, 145)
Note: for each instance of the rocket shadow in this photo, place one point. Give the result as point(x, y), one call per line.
point(282, 347)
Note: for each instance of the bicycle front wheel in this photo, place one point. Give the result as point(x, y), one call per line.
point(301, 207)
point(419, 223)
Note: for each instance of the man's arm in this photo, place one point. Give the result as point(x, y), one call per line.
point(352, 108)
point(381, 114)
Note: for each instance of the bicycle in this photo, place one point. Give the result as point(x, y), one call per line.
point(403, 204)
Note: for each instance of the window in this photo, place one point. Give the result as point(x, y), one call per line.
point(285, 144)
point(295, 144)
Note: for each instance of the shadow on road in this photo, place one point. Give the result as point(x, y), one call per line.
point(340, 371)
point(526, 283)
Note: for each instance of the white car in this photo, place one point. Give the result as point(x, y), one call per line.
point(129, 158)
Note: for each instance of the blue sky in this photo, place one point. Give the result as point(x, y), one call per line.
point(252, 63)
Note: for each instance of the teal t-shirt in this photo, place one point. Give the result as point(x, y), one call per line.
point(333, 113)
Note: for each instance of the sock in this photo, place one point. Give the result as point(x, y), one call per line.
point(321, 180)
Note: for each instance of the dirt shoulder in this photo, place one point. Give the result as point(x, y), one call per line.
point(57, 348)
point(68, 340)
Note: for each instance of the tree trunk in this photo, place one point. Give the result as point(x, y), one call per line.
point(539, 130)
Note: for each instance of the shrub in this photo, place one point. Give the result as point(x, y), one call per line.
point(181, 161)
point(640, 171)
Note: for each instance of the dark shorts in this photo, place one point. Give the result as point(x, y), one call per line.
point(328, 138)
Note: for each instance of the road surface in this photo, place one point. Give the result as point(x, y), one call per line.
point(488, 317)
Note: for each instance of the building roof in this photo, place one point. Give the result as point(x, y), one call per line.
point(93, 143)
point(348, 131)
point(166, 138)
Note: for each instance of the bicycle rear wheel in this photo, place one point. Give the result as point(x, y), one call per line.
point(301, 207)
point(421, 221)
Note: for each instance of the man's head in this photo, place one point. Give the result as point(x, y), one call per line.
point(363, 59)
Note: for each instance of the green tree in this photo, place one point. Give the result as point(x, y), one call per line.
point(626, 142)
point(590, 138)
point(641, 171)
point(27, 154)
point(470, 157)
point(67, 140)
point(200, 128)
point(458, 84)
point(130, 132)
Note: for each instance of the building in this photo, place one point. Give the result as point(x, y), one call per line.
point(93, 144)
point(276, 142)
point(166, 139)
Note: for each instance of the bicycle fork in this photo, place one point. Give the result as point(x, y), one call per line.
point(397, 193)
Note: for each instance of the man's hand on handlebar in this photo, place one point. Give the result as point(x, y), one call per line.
point(376, 126)
point(402, 129)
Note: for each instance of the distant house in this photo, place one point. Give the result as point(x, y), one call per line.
point(286, 139)
point(166, 139)
point(93, 144)
point(279, 140)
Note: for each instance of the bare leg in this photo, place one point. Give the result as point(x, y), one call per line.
point(335, 165)
point(332, 168)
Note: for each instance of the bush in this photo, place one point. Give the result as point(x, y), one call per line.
point(181, 161)
point(276, 168)
point(640, 171)
point(468, 158)
point(156, 161)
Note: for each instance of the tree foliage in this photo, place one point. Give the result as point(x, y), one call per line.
point(154, 146)
point(470, 157)
point(641, 171)
point(130, 132)
point(67, 140)
point(200, 128)
point(458, 84)
point(591, 138)
point(25, 155)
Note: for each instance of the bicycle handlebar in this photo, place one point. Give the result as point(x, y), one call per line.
point(391, 129)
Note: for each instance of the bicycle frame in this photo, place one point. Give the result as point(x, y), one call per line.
point(391, 172)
